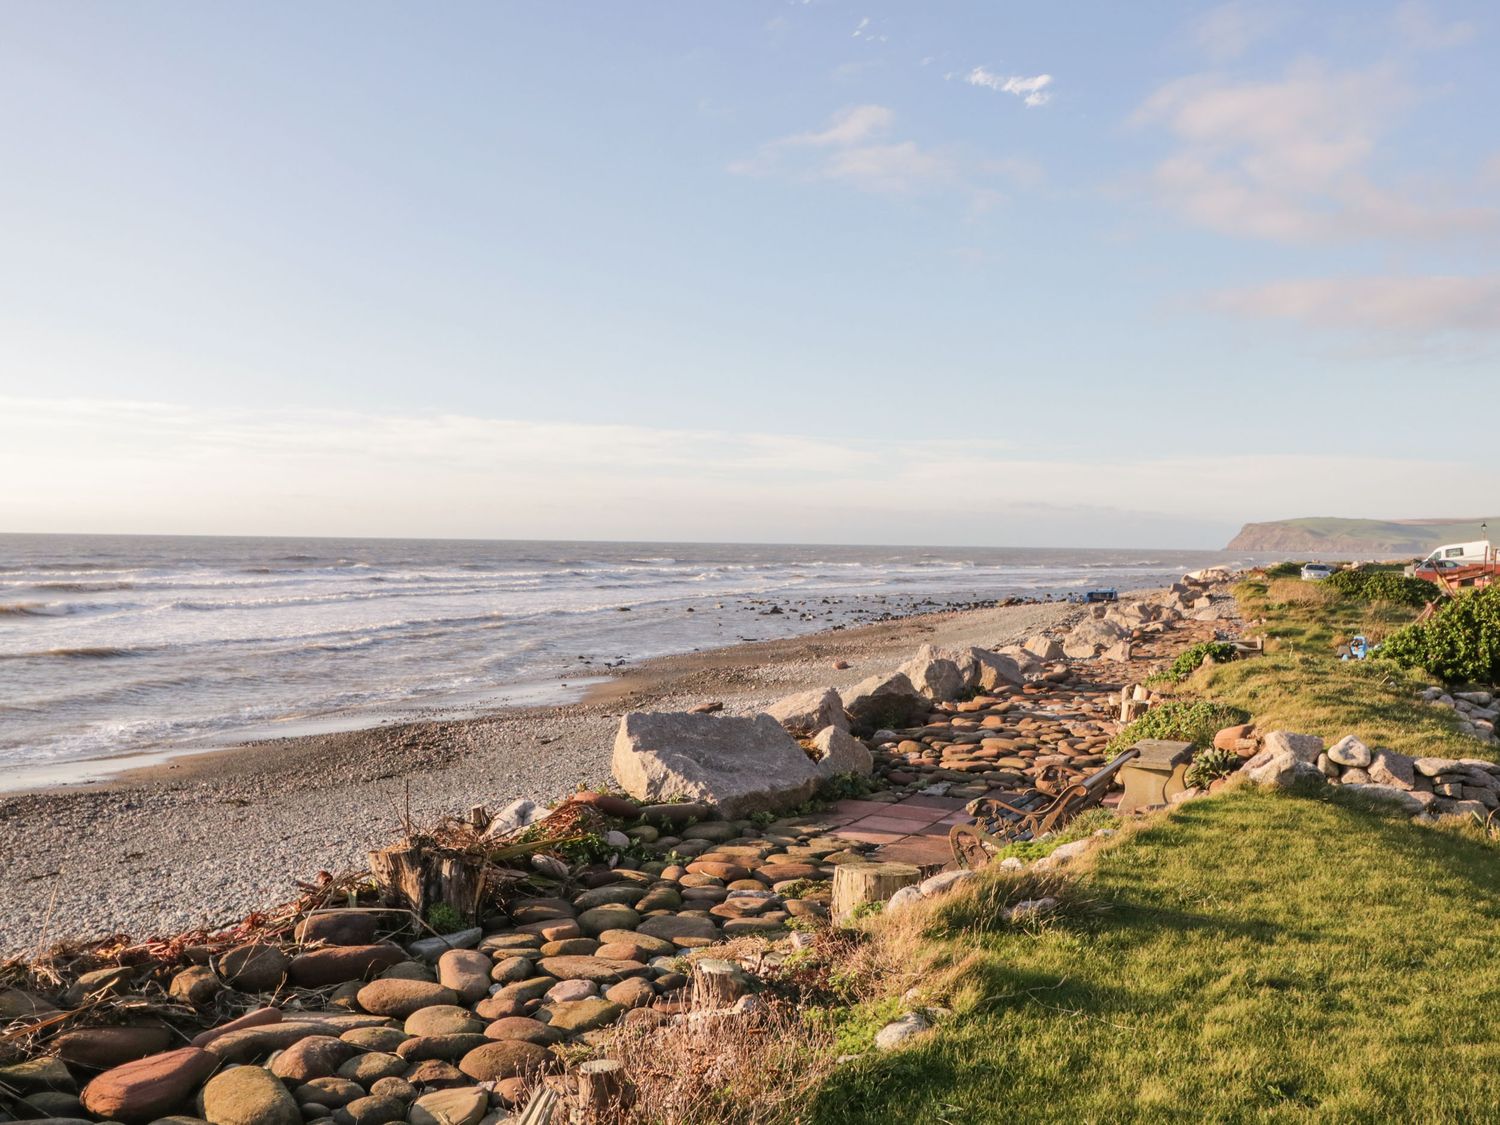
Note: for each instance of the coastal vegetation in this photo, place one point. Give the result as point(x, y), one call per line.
point(1460, 643)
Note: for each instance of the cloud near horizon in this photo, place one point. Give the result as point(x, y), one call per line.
point(140, 466)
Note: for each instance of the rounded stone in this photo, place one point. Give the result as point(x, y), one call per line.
point(329, 1093)
point(385, 1039)
point(400, 998)
point(317, 1056)
point(632, 993)
point(249, 1095)
point(512, 969)
point(523, 1028)
point(253, 967)
point(506, 1058)
point(442, 1019)
point(612, 917)
point(366, 1069)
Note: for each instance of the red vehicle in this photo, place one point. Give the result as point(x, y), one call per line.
point(1459, 566)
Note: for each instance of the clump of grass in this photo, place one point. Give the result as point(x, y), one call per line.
point(1084, 824)
point(1179, 720)
point(1191, 659)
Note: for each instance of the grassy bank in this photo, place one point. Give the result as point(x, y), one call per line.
point(1249, 957)
point(1301, 685)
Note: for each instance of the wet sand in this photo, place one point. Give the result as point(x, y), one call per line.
point(204, 839)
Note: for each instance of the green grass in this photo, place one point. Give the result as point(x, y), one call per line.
point(1254, 957)
point(1301, 685)
point(1084, 824)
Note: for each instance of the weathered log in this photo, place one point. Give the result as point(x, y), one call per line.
point(859, 884)
point(419, 877)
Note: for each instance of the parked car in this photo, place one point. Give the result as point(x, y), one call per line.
point(1316, 572)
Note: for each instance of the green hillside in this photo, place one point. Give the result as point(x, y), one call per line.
point(1325, 535)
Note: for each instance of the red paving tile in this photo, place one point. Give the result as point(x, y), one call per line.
point(923, 852)
point(860, 836)
point(948, 803)
point(899, 825)
point(849, 806)
point(957, 818)
point(909, 812)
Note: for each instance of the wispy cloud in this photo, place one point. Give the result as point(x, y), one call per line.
point(1410, 310)
point(1293, 159)
point(1033, 91)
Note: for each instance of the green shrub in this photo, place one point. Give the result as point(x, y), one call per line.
point(1285, 570)
point(1458, 644)
point(1382, 586)
point(1210, 765)
point(1179, 721)
point(444, 918)
point(1189, 660)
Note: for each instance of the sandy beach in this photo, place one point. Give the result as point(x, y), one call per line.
point(204, 839)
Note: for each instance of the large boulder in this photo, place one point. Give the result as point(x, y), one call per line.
point(1044, 648)
point(742, 765)
point(839, 752)
point(988, 671)
point(882, 702)
point(810, 711)
point(1285, 758)
point(934, 674)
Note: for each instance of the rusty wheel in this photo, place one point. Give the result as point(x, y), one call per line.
point(969, 847)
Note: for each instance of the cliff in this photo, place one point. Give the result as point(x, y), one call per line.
point(1328, 535)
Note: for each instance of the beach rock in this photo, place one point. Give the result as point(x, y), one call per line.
point(367, 1069)
point(1044, 648)
point(934, 675)
point(36, 1075)
point(465, 1106)
point(1284, 758)
point(258, 1018)
point(1349, 751)
point(1390, 768)
point(430, 949)
point(810, 711)
point(681, 929)
point(897, 1032)
point(590, 968)
point(400, 998)
point(102, 1047)
point(195, 985)
point(839, 752)
point(248, 1095)
point(253, 967)
point(336, 964)
point(578, 1016)
point(742, 765)
point(376, 1109)
point(506, 1058)
point(467, 972)
point(632, 993)
point(329, 1093)
point(518, 814)
point(449, 1048)
point(16, 1003)
point(885, 701)
point(249, 1043)
point(317, 1056)
point(338, 927)
point(992, 671)
point(435, 1074)
point(610, 804)
point(1407, 801)
point(521, 1027)
point(148, 1088)
point(442, 1019)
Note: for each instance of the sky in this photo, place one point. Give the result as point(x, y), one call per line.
point(1090, 274)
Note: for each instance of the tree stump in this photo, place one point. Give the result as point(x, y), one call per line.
point(718, 983)
point(602, 1089)
point(416, 876)
point(858, 884)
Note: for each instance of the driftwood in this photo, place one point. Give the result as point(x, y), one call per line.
point(418, 876)
point(859, 884)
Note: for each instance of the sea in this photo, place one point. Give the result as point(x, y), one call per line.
point(116, 646)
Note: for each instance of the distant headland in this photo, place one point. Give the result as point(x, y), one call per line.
point(1324, 535)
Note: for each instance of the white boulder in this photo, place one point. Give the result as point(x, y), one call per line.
point(839, 752)
point(810, 711)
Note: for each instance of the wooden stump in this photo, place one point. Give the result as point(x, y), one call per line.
point(857, 884)
point(718, 983)
point(602, 1089)
point(417, 877)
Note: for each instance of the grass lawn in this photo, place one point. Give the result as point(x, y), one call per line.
point(1252, 956)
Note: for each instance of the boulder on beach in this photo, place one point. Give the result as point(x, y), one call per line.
point(839, 752)
point(934, 674)
point(810, 711)
point(742, 765)
point(886, 702)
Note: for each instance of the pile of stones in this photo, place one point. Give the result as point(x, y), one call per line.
point(345, 1023)
point(1478, 711)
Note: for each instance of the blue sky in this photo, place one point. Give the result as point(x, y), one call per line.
point(957, 273)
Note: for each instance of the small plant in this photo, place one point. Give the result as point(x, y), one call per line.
point(1370, 585)
point(1190, 660)
point(1179, 721)
point(1210, 765)
point(1285, 570)
point(443, 918)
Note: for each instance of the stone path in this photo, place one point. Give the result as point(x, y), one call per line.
point(914, 830)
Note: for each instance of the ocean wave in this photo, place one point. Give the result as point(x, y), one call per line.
point(86, 652)
point(83, 587)
point(57, 609)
